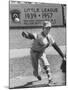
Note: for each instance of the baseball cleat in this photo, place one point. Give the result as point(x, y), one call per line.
point(51, 83)
point(39, 77)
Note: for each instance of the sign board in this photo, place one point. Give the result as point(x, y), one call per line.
point(34, 14)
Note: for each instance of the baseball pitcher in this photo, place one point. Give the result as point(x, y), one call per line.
point(40, 43)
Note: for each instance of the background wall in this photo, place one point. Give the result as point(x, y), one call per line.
point(33, 14)
point(18, 42)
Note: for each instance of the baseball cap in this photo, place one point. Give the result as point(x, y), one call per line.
point(47, 24)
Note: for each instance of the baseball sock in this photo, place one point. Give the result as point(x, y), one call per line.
point(48, 72)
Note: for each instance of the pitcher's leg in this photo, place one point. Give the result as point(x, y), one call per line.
point(40, 66)
point(34, 60)
point(48, 72)
point(46, 66)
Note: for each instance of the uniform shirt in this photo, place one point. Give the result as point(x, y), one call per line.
point(41, 42)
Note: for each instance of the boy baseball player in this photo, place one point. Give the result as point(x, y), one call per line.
point(40, 43)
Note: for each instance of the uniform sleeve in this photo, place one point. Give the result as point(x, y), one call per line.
point(30, 35)
point(55, 46)
point(51, 39)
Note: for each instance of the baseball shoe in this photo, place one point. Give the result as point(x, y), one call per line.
point(51, 83)
point(39, 77)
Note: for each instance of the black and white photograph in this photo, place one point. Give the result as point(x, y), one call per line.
point(37, 44)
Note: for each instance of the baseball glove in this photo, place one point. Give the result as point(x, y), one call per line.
point(63, 65)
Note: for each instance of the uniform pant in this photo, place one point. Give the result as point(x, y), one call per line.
point(35, 57)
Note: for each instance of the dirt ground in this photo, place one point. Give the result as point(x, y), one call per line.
point(21, 67)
